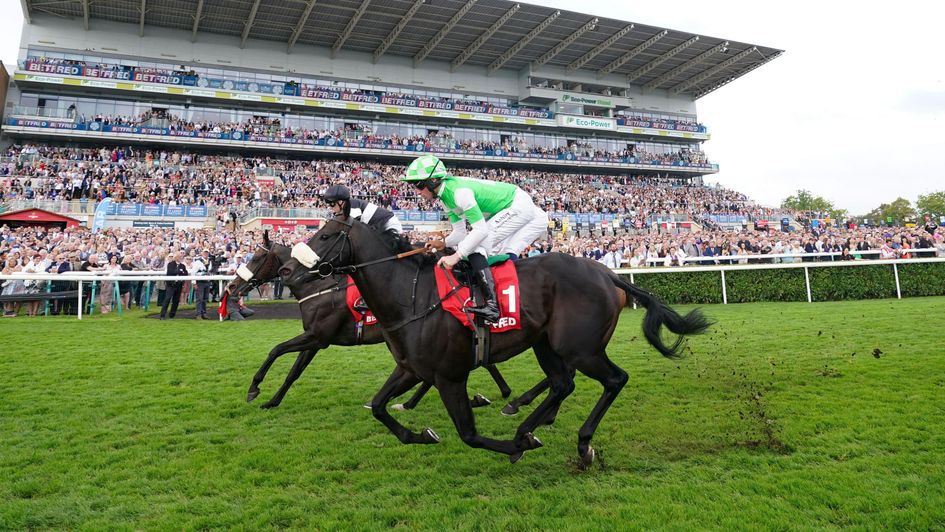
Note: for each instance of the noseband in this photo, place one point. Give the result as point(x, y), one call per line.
point(254, 281)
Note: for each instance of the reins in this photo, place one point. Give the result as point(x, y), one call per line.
point(354, 267)
point(336, 288)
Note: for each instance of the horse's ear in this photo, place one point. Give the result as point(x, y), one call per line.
point(266, 238)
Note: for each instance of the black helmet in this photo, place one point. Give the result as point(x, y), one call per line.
point(336, 193)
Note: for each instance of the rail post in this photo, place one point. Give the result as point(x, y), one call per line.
point(896, 273)
point(807, 282)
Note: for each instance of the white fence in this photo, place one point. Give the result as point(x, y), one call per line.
point(87, 277)
point(632, 272)
point(95, 277)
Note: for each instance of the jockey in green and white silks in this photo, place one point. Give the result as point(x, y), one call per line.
point(502, 216)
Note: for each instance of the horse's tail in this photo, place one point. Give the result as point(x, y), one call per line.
point(658, 314)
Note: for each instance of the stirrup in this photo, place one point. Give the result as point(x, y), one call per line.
point(487, 312)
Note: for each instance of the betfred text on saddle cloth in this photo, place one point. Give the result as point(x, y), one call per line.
point(507, 289)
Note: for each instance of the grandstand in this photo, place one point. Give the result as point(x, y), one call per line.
point(488, 85)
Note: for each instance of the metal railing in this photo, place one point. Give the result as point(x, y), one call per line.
point(274, 212)
point(95, 278)
point(778, 258)
point(43, 112)
point(92, 278)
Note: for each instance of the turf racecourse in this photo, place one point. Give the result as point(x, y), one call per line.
point(784, 416)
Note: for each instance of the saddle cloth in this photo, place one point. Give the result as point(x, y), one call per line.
point(507, 294)
point(356, 305)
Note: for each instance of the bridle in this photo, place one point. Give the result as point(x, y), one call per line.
point(254, 281)
point(326, 268)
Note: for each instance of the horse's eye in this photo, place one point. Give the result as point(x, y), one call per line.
point(323, 237)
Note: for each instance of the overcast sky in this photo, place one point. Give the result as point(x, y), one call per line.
point(853, 111)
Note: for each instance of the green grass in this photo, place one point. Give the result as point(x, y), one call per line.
point(781, 417)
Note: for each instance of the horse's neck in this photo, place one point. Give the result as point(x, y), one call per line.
point(387, 288)
point(308, 289)
point(282, 253)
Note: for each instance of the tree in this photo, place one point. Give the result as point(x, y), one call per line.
point(805, 201)
point(899, 210)
point(932, 204)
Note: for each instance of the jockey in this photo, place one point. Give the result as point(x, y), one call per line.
point(502, 216)
point(340, 202)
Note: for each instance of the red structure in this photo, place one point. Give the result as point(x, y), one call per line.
point(37, 217)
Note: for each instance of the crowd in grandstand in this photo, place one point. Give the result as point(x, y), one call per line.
point(271, 129)
point(295, 87)
point(304, 89)
point(183, 178)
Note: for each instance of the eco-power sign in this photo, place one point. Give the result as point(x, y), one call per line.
point(587, 100)
point(587, 122)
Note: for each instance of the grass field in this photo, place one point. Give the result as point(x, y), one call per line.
point(786, 416)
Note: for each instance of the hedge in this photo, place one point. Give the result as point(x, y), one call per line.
point(826, 284)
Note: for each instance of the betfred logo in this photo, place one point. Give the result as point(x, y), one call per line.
point(504, 321)
point(370, 319)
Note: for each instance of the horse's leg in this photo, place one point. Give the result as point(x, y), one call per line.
point(613, 379)
point(561, 384)
point(550, 418)
point(526, 398)
point(476, 402)
point(298, 343)
point(415, 399)
point(399, 382)
point(499, 380)
point(302, 362)
point(456, 401)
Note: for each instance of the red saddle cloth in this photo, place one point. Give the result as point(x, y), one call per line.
point(507, 294)
point(351, 297)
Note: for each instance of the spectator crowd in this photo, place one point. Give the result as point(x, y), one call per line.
point(183, 178)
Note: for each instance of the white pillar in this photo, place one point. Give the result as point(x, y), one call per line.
point(807, 282)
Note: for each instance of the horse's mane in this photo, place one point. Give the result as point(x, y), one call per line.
point(398, 244)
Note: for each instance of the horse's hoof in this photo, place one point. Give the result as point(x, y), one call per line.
point(532, 441)
point(515, 457)
point(399, 407)
point(480, 400)
point(429, 436)
point(509, 410)
point(588, 458)
point(252, 395)
point(269, 404)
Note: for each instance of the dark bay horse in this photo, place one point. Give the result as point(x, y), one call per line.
point(326, 321)
point(570, 307)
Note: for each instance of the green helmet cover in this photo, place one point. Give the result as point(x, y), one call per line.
point(425, 167)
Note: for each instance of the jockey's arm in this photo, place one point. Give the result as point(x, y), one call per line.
point(465, 243)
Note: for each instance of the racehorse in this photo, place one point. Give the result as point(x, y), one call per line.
point(326, 320)
point(570, 307)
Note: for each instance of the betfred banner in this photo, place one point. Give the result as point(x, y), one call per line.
point(692, 128)
point(162, 78)
point(73, 70)
point(105, 73)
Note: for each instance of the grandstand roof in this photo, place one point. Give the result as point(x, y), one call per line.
point(491, 33)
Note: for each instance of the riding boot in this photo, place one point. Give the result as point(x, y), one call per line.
point(489, 310)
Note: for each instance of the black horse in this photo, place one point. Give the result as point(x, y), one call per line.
point(326, 320)
point(570, 307)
